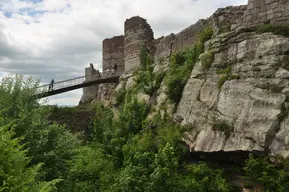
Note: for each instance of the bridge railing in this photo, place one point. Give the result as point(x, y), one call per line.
point(76, 81)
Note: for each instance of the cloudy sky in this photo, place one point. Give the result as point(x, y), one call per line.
point(57, 39)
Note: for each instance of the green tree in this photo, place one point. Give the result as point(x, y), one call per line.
point(260, 171)
point(15, 173)
point(90, 170)
point(46, 143)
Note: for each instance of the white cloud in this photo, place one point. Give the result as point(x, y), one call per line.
point(59, 38)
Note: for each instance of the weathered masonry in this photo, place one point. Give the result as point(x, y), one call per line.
point(124, 50)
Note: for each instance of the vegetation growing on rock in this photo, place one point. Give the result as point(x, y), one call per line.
point(135, 148)
point(225, 74)
point(124, 152)
point(182, 63)
point(207, 59)
point(277, 29)
point(223, 127)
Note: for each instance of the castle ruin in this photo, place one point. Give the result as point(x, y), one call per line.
point(124, 49)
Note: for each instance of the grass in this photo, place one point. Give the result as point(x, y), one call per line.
point(225, 75)
point(277, 29)
point(223, 127)
point(207, 59)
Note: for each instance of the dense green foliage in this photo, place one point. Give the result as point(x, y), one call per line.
point(119, 96)
point(207, 59)
point(224, 127)
point(277, 29)
point(145, 76)
point(151, 153)
point(182, 63)
point(260, 171)
point(225, 74)
point(128, 150)
point(15, 172)
point(125, 152)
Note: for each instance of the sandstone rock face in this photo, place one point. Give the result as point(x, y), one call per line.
point(106, 93)
point(250, 105)
point(239, 102)
point(130, 83)
point(280, 144)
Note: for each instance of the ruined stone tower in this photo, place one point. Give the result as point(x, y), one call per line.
point(112, 52)
point(137, 33)
point(90, 93)
point(124, 49)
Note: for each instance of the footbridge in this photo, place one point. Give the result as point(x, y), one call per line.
point(75, 83)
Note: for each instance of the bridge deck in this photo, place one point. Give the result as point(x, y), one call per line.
point(75, 83)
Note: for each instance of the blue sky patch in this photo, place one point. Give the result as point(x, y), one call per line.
point(30, 11)
point(32, 1)
point(7, 14)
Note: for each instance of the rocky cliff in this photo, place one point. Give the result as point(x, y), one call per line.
point(239, 103)
point(236, 96)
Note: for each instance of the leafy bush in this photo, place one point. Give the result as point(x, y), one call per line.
point(224, 127)
point(206, 35)
point(227, 70)
point(158, 78)
point(175, 86)
point(259, 170)
point(221, 81)
point(226, 76)
point(131, 116)
point(181, 65)
point(144, 76)
point(101, 130)
point(119, 97)
point(46, 143)
point(201, 177)
point(207, 58)
point(277, 29)
point(88, 170)
point(16, 172)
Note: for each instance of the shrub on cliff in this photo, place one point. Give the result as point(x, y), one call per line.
point(225, 74)
point(144, 76)
point(278, 29)
point(223, 127)
point(181, 65)
point(119, 96)
point(261, 171)
point(90, 170)
point(201, 177)
point(207, 59)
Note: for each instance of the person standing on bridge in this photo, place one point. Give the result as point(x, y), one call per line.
point(114, 69)
point(107, 72)
point(51, 85)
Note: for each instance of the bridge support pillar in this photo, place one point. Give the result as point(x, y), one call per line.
point(90, 93)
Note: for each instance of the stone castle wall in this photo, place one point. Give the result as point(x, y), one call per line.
point(137, 33)
point(113, 53)
point(125, 50)
point(225, 17)
point(180, 41)
point(266, 11)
